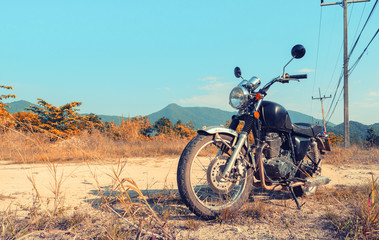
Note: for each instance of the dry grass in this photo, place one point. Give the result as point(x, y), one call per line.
point(161, 215)
point(21, 147)
point(355, 154)
point(353, 211)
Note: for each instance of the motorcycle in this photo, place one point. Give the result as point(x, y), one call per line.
point(220, 166)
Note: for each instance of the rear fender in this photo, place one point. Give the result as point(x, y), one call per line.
point(323, 143)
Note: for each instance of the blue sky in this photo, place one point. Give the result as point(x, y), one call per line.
point(135, 57)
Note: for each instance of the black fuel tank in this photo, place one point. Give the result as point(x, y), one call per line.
point(275, 116)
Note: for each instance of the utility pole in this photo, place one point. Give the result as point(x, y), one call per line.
point(322, 106)
point(345, 66)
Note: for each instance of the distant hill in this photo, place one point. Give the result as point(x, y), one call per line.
point(358, 131)
point(205, 116)
point(199, 116)
point(297, 117)
point(18, 106)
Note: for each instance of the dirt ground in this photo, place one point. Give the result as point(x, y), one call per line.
point(81, 183)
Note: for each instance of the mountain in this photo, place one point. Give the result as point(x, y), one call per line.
point(18, 106)
point(297, 117)
point(358, 131)
point(205, 116)
point(199, 116)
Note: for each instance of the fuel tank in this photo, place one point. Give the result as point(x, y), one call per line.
point(275, 116)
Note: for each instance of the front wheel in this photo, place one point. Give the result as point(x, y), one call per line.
point(199, 176)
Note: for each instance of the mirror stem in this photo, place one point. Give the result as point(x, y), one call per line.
point(284, 68)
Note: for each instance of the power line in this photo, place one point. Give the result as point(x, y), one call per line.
point(318, 50)
point(360, 57)
point(345, 67)
point(368, 18)
point(355, 64)
point(359, 23)
point(350, 71)
point(339, 97)
point(322, 106)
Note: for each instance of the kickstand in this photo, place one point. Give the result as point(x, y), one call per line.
point(294, 196)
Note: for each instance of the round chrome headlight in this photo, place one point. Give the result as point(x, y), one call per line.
point(238, 97)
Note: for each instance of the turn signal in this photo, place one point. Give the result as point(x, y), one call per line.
point(256, 115)
point(258, 96)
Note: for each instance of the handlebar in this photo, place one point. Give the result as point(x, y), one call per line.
point(282, 80)
point(299, 76)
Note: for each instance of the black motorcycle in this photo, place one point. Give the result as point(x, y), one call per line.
point(219, 167)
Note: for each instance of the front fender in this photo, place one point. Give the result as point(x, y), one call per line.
point(218, 129)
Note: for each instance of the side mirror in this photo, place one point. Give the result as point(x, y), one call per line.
point(298, 51)
point(237, 72)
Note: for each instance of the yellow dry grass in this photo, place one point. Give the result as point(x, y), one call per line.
point(353, 155)
point(22, 147)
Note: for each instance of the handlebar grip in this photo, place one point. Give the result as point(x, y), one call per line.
point(299, 76)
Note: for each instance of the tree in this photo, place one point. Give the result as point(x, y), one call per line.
point(184, 130)
point(334, 138)
point(61, 121)
point(163, 126)
point(26, 121)
point(372, 139)
point(6, 119)
point(130, 129)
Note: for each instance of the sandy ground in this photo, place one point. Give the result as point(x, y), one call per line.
point(81, 181)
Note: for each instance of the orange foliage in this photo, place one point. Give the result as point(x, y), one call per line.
point(26, 121)
point(65, 121)
point(6, 119)
point(184, 130)
point(335, 139)
point(61, 122)
point(130, 129)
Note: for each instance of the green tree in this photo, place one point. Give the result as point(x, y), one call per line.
point(163, 126)
point(372, 139)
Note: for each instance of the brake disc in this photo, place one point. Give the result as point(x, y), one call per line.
point(218, 184)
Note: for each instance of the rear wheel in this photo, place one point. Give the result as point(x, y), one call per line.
point(309, 169)
point(200, 184)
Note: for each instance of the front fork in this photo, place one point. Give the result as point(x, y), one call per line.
point(242, 138)
point(237, 149)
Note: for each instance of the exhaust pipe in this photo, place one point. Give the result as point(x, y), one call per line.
point(261, 171)
point(317, 181)
point(309, 181)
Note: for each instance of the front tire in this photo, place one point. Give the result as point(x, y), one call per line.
point(200, 186)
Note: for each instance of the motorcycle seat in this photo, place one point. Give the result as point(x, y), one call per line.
point(306, 129)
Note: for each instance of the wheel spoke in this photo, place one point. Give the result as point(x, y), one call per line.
point(208, 159)
point(199, 182)
point(200, 164)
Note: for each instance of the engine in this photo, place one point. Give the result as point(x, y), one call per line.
point(278, 164)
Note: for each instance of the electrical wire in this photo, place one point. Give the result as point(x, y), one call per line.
point(359, 23)
point(335, 106)
point(349, 72)
point(318, 50)
point(360, 57)
point(354, 65)
point(368, 18)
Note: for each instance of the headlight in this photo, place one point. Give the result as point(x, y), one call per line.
point(238, 97)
